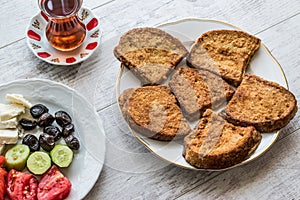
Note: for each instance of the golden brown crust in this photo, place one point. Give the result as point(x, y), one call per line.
point(196, 90)
point(217, 144)
point(224, 52)
point(150, 53)
point(153, 112)
point(263, 104)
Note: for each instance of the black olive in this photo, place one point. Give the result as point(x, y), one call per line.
point(47, 142)
point(37, 110)
point(68, 130)
point(32, 142)
point(72, 142)
point(45, 119)
point(53, 131)
point(27, 124)
point(62, 118)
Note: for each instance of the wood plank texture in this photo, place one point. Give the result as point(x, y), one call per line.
point(130, 170)
point(16, 15)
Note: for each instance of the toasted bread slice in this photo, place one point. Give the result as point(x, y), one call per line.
point(224, 52)
point(217, 144)
point(263, 104)
point(153, 112)
point(150, 53)
point(196, 90)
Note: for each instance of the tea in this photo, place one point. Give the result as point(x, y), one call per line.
point(64, 31)
point(65, 34)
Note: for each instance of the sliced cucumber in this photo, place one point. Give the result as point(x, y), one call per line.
point(61, 155)
point(38, 162)
point(16, 157)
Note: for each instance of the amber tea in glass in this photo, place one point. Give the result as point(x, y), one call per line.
point(64, 30)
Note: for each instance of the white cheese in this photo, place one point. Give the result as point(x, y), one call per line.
point(8, 111)
point(26, 115)
point(18, 99)
point(2, 147)
point(9, 136)
point(10, 123)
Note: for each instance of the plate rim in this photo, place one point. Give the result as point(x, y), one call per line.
point(47, 81)
point(192, 167)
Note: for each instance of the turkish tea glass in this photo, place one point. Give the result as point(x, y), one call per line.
point(64, 30)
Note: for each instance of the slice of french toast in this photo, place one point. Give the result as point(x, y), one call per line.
point(217, 144)
point(197, 90)
point(150, 53)
point(224, 52)
point(263, 104)
point(153, 112)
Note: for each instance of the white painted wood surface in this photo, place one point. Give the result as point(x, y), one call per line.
point(130, 171)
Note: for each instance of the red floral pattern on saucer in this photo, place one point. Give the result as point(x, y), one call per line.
point(38, 43)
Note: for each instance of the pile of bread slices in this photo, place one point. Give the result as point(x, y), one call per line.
point(211, 75)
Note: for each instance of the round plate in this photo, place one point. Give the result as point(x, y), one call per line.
point(88, 160)
point(262, 64)
point(39, 45)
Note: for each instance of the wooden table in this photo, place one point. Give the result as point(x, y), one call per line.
point(130, 171)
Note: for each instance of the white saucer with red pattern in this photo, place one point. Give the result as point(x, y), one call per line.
point(38, 43)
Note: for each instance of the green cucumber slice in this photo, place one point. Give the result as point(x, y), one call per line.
point(38, 162)
point(16, 157)
point(61, 155)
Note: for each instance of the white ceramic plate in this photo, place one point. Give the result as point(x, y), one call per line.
point(39, 45)
point(88, 160)
point(262, 64)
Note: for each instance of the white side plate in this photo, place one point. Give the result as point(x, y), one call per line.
point(88, 160)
